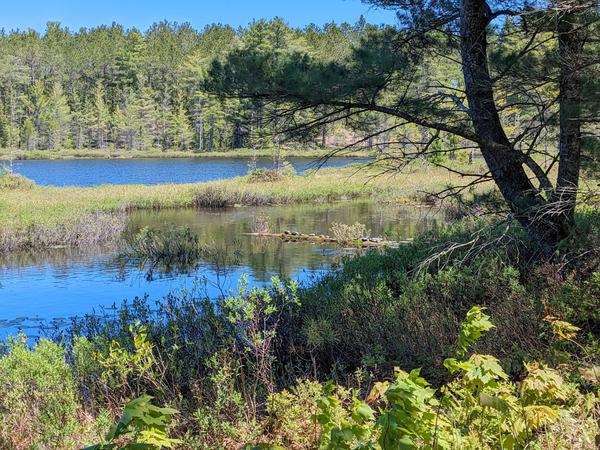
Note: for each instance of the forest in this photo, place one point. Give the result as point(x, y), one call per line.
point(130, 89)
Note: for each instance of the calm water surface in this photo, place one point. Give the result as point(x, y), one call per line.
point(61, 283)
point(94, 172)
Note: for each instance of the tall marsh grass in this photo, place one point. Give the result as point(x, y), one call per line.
point(91, 229)
point(31, 215)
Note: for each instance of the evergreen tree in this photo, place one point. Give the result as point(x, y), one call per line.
point(4, 128)
point(57, 119)
point(35, 103)
point(181, 134)
point(99, 117)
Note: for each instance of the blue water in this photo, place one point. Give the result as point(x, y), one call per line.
point(94, 172)
point(59, 283)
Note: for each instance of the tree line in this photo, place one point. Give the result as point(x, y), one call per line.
point(115, 87)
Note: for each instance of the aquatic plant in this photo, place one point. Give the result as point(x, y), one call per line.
point(348, 234)
point(260, 224)
point(170, 250)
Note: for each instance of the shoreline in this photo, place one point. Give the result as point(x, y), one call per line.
point(108, 154)
point(43, 216)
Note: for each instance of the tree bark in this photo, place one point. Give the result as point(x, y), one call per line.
point(570, 50)
point(506, 164)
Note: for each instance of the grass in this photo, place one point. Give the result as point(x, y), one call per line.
point(42, 205)
point(113, 153)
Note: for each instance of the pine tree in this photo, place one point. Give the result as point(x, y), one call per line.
point(4, 127)
point(28, 133)
point(57, 119)
point(181, 133)
point(35, 103)
point(128, 64)
point(121, 134)
point(99, 117)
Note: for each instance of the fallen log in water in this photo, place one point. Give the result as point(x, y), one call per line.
point(295, 236)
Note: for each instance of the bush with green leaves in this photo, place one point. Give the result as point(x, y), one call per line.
point(223, 415)
point(143, 426)
point(349, 234)
point(478, 409)
point(262, 175)
point(127, 372)
point(37, 396)
point(13, 181)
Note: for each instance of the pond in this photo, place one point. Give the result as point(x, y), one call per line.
point(60, 283)
point(94, 172)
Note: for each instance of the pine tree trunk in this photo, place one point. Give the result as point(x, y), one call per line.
point(570, 49)
point(505, 162)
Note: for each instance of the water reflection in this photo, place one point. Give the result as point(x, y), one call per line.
point(65, 282)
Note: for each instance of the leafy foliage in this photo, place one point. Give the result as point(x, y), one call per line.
point(143, 425)
point(480, 408)
point(347, 234)
point(37, 396)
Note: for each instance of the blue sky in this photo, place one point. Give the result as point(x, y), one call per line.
point(75, 14)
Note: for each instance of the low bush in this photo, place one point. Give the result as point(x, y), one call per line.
point(478, 409)
point(271, 175)
point(142, 425)
point(37, 397)
point(14, 181)
point(215, 197)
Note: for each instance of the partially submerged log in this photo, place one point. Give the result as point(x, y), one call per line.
point(295, 236)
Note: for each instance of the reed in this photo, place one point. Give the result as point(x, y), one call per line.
point(37, 215)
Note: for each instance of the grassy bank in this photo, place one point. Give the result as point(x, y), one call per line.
point(254, 367)
point(29, 212)
point(112, 153)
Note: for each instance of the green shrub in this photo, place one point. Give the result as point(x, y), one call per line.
point(86, 369)
point(291, 415)
point(224, 416)
point(143, 426)
point(380, 313)
point(37, 396)
point(478, 409)
point(127, 373)
point(271, 175)
point(14, 181)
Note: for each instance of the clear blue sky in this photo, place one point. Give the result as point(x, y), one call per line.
point(75, 14)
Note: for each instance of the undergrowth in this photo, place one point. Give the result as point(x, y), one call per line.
point(333, 365)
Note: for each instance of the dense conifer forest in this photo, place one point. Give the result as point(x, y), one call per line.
point(126, 88)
